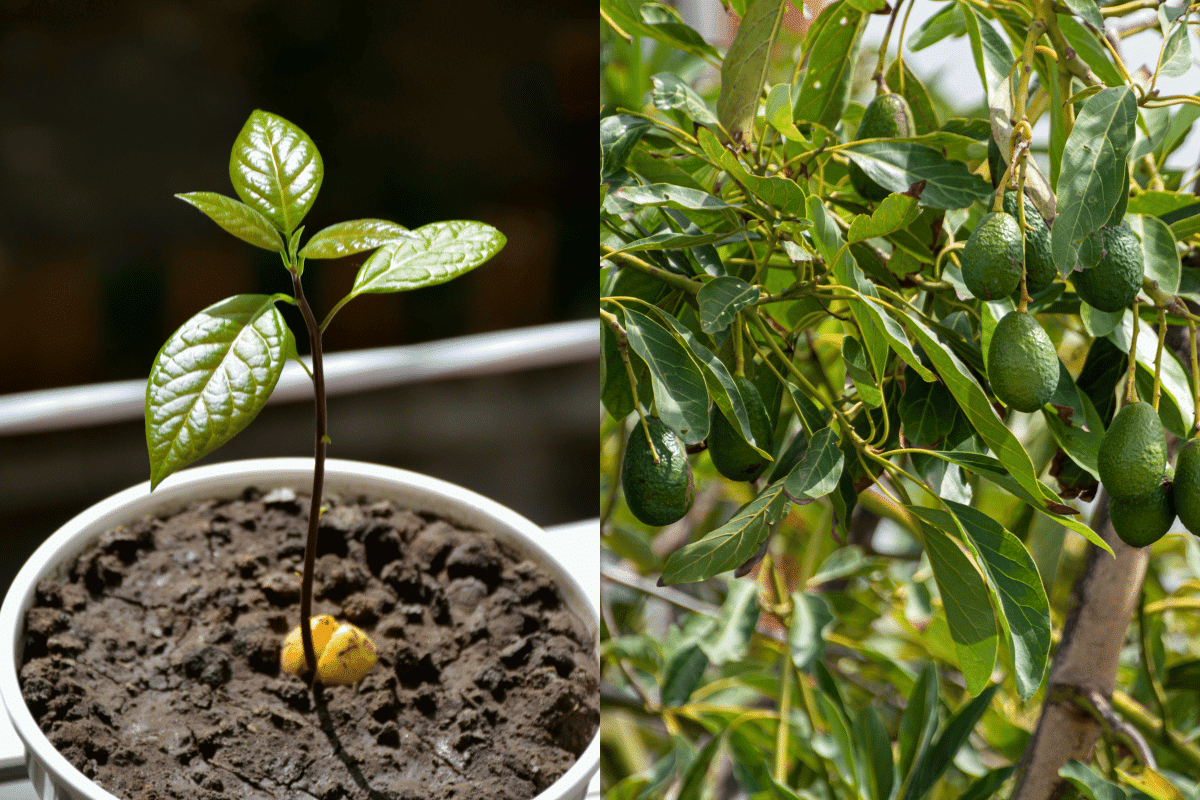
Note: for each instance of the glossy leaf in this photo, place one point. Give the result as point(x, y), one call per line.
point(618, 135)
point(237, 218)
point(1013, 577)
point(1176, 389)
point(1093, 170)
point(682, 673)
point(858, 369)
point(731, 544)
point(679, 390)
point(879, 771)
point(847, 752)
point(774, 190)
point(672, 93)
point(1088, 10)
point(1160, 252)
point(897, 165)
point(818, 471)
point(945, 24)
point(926, 412)
point(276, 169)
point(666, 194)
point(658, 21)
point(811, 620)
point(717, 379)
point(1158, 203)
point(211, 378)
point(832, 45)
point(720, 299)
point(1089, 784)
point(355, 236)
point(919, 720)
point(938, 758)
point(993, 56)
point(433, 254)
point(1176, 57)
point(728, 638)
point(779, 112)
point(1088, 47)
point(744, 70)
point(894, 212)
point(967, 606)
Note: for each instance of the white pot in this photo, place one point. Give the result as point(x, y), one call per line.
point(55, 779)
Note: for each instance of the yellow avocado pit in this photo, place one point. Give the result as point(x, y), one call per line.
point(344, 652)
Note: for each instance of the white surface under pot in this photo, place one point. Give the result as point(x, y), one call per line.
point(571, 563)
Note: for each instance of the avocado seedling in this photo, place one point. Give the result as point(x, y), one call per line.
point(216, 372)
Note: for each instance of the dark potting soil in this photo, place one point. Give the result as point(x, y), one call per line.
point(154, 666)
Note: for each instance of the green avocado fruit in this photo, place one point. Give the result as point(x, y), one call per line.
point(888, 116)
point(1187, 485)
point(1143, 521)
point(730, 453)
point(1115, 279)
point(1133, 453)
point(1039, 262)
point(993, 260)
point(1022, 362)
point(657, 494)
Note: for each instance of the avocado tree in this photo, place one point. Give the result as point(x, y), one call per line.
point(891, 400)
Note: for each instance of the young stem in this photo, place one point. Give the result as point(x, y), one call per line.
point(318, 485)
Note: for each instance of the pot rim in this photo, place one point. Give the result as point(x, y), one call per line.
point(228, 479)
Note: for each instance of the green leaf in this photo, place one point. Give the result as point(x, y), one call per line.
point(355, 236)
point(831, 45)
point(1081, 438)
point(670, 92)
point(666, 194)
point(818, 471)
point(835, 716)
point(897, 165)
point(811, 620)
point(1089, 784)
point(858, 368)
point(432, 254)
point(618, 135)
point(779, 113)
point(925, 118)
point(720, 299)
point(276, 169)
point(880, 772)
point(211, 378)
point(993, 56)
point(1013, 577)
point(1088, 10)
point(658, 21)
point(669, 240)
point(1176, 56)
point(938, 758)
point(1095, 160)
point(947, 23)
point(926, 412)
point(730, 635)
point(717, 379)
point(680, 394)
point(987, 787)
point(894, 212)
point(1176, 389)
point(1088, 47)
point(918, 722)
point(237, 218)
point(682, 674)
point(782, 193)
point(731, 544)
point(1160, 252)
point(744, 70)
point(968, 608)
point(1159, 203)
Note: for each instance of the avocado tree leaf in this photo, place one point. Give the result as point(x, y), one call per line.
point(993, 56)
point(732, 543)
point(947, 23)
point(618, 134)
point(898, 165)
point(682, 673)
point(658, 21)
point(966, 601)
point(910, 87)
point(720, 299)
point(1159, 250)
point(1080, 438)
point(879, 772)
point(1088, 11)
point(1089, 784)
point(1175, 404)
point(744, 70)
point(779, 113)
point(1094, 168)
point(1013, 577)
point(211, 378)
point(938, 758)
point(926, 412)
point(432, 254)
point(670, 92)
point(680, 394)
point(811, 620)
point(1175, 59)
point(237, 218)
point(919, 720)
point(354, 236)
point(894, 212)
point(667, 194)
point(276, 169)
point(774, 190)
point(818, 471)
point(831, 45)
point(1156, 203)
point(858, 368)
point(728, 637)
point(721, 387)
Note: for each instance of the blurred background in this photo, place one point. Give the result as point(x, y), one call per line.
point(422, 111)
